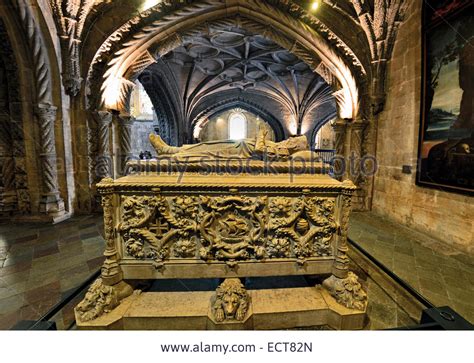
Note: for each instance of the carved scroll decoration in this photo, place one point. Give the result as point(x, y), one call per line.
point(175, 223)
point(232, 228)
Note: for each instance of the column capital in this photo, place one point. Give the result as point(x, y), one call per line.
point(340, 123)
point(359, 123)
point(103, 117)
point(126, 119)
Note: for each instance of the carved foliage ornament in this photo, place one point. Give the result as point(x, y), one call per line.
point(307, 224)
point(150, 224)
point(347, 291)
point(231, 229)
point(99, 299)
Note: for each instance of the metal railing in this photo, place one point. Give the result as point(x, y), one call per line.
point(326, 155)
point(433, 317)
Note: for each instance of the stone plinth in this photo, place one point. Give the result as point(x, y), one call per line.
point(269, 310)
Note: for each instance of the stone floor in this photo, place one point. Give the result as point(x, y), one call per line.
point(438, 272)
point(39, 265)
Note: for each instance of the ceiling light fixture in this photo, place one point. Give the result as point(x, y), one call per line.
point(314, 5)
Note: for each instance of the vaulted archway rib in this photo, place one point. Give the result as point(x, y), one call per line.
point(269, 19)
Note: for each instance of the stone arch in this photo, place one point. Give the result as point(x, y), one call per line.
point(166, 99)
point(147, 37)
point(230, 103)
point(119, 63)
point(37, 106)
point(318, 127)
point(14, 192)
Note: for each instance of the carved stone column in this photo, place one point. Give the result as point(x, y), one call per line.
point(104, 157)
point(8, 195)
point(355, 168)
point(111, 272)
point(50, 202)
point(109, 290)
point(343, 285)
point(357, 133)
point(125, 130)
point(340, 127)
point(341, 264)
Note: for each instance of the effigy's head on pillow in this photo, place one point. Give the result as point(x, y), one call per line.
point(295, 144)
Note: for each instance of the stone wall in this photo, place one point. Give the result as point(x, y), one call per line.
point(326, 137)
point(140, 137)
point(218, 127)
point(446, 216)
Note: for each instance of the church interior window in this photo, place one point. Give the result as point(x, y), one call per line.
point(237, 126)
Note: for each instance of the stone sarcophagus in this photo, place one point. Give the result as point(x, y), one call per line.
point(178, 226)
point(193, 219)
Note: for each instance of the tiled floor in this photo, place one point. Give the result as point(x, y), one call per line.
point(41, 264)
point(438, 272)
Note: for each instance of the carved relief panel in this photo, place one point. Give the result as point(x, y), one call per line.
point(228, 228)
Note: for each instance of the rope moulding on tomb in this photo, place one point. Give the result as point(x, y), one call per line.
point(110, 188)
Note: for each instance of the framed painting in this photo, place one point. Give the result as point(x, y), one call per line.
point(446, 144)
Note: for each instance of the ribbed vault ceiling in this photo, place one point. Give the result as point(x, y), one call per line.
point(250, 69)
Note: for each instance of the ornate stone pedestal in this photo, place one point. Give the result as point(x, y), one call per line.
point(230, 308)
point(277, 219)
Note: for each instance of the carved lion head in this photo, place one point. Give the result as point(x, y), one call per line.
point(232, 301)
